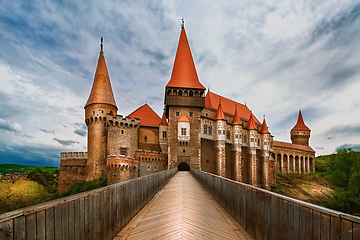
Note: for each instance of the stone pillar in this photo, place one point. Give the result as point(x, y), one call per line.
point(281, 163)
point(237, 160)
point(307, 165)
point(253, 165)
point(220, 158)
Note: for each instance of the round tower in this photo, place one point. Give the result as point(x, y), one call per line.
point(220, 141)
point(300, 134)
point(100, 103)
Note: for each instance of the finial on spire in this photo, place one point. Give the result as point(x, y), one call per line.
point(219, 100)
point(101, 44)
point(182, 23)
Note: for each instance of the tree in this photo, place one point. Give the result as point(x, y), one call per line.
point(343, 171)
point(44, 178)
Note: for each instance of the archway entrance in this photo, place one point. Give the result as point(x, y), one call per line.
point(183, 166)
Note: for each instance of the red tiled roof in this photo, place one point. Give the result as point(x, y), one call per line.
point(147, 116)
point(251, 124)
point(292, 146)
point(212, 101)
point(264, 127)
point(300, 125)
point(101, 91)
point(183, 119)
point(163, 120)
point(220, 113)
point(236, 119)
point(184, 72)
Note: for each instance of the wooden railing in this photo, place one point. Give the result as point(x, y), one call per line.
point(267, 215)
point(96, 214)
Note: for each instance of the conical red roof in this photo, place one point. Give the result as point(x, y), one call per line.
point(147, 116)
point(264, 127)
point(236, 119)
point(251, 124)
point(300, 125)
point(163, 120)
point(101, 91)
point(184, 73)
point(220, 113)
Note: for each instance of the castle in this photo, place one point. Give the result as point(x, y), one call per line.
point(203, 131)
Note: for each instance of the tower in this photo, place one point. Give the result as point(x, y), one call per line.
point(184, 97)
point(300, 133)
point(163, 130)
point(220, 141)
point(266, 143)
point(253, 161)
point(237, 126)
point(100, 103)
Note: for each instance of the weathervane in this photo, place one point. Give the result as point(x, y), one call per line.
point(101, 44)
point(182, 23)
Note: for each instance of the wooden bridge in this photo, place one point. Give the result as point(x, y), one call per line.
point(183, 210)
point(178, 205)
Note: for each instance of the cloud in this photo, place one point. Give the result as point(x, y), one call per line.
point(46, 131)
point(81, 129)
point(346, 145)
point(65, 142)
point(10, 126)
point(345, 130)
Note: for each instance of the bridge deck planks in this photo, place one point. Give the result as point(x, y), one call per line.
point(183, 209)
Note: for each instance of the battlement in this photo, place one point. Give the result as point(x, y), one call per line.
point(121, 162)
point(73, 155)
point(119, 120)
point(145, 156)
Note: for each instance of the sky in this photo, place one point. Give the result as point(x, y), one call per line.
point(276, 56)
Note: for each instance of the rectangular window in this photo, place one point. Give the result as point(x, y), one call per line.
point(177, 114)
point(123, 151)
point(191, 114)
point(223, 132)
point(145, 139)
point(236, 135)
point(183, 131)
point(219, 132)
point(164, 134)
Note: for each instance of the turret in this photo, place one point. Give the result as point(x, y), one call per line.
point(237, 127)
point(220, 141)
point(300, 133)
point(251, 127)
point(101, 102)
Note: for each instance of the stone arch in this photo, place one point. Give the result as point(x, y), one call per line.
point(183, 166)
point(186, 93)
point(311, 163)
point(191, 93)
point(180, 93)
point(291, 164)
point(278, 163)
point(302, 166)
point(285, 163)
point(297, 165)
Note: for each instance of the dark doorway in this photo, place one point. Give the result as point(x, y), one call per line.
point(183, 167)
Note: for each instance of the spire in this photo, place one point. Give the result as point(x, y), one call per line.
point(220, 113)
point(300, 125)
point(101, 91)
point(236, 119)
point(264, 128)
point(163, 120)
point(184, 72)
point(251, 123)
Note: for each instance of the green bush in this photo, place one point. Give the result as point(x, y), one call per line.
point(86, 186)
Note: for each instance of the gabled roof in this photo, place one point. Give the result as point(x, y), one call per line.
point(212, 101)
point(220, 113)
point(251, 124)
point(147, 116)
point(292, 146)
point(264, 127)
point(101, 91)
point(300, 125)
point(236, 119)
point(184, 72)
point(183, 119)
point(163, 120)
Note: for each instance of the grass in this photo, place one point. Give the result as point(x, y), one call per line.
point(13, 168)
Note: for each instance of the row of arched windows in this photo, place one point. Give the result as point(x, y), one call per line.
point(182, 92)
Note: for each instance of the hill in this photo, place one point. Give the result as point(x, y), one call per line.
point(12, 168)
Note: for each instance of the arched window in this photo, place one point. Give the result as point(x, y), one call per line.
point(180, 93)
point(205, 129)
point(210, 130)
point(191, 93)
point(169, 92)
point(228, 134)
